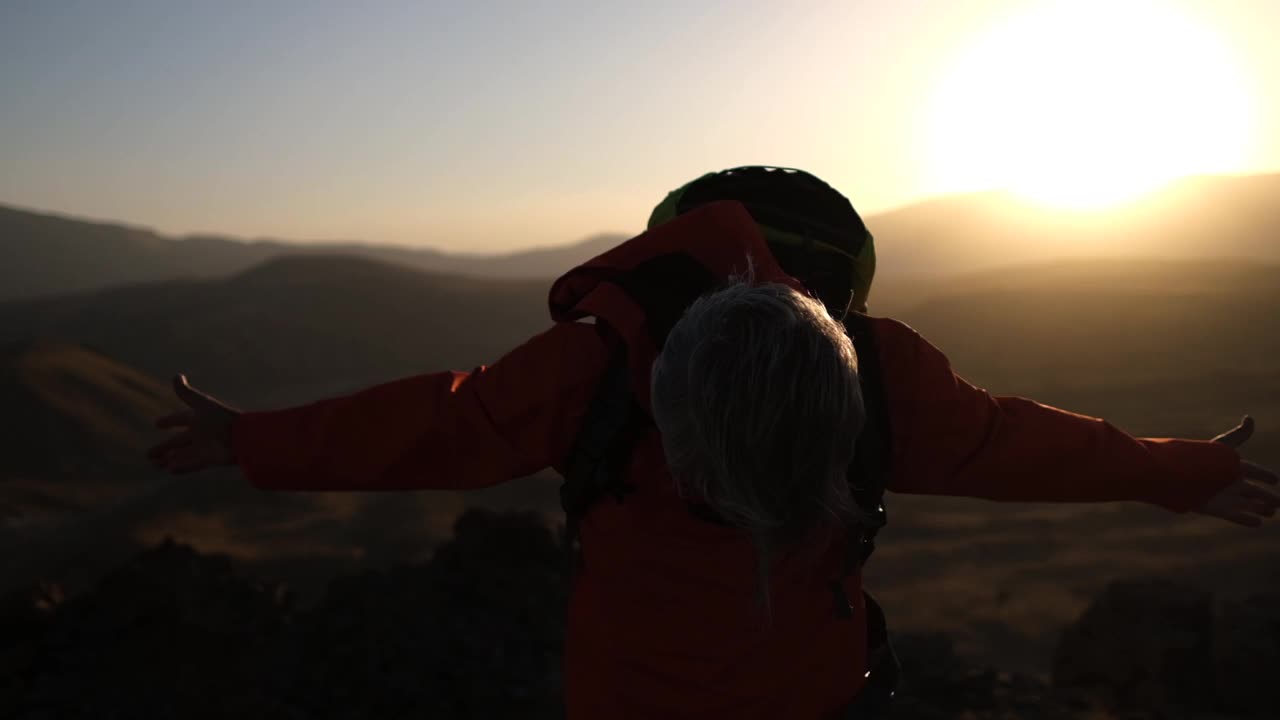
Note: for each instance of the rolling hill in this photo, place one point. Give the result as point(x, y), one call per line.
point(43, 255)
point(1109, 322)
point(75, 423)
point(294, 327)
point(77, 494)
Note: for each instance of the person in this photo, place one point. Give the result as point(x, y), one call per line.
point(664, 613)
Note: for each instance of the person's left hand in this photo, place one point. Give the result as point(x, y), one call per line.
point(1254, 495)
point(204, 437)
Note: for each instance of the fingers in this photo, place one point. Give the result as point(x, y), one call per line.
point(1245, 503)
point(1240, 517)
point(177, 442)
point(187, 467)
point(178, 419)
point(1263, 508)
point(189, 459)
point(187, 394)
point(194, 398)
point(1254, 471)
point(199, 401)
point(182, 460)
point(1248, 504)
point(1264, 493)
point(1238, 435)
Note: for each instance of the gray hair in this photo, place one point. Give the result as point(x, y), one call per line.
point(756, 397)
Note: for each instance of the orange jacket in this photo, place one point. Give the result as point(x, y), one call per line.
point(662, 618)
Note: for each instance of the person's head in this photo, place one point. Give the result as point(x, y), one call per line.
point(755, 394)
point(812, 230)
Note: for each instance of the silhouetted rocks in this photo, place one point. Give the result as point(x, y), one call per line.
point(937, 683)
point(477, 633)
point(1246, 654)
point(1171, 649)
point(173, 633)
point(1142, 645)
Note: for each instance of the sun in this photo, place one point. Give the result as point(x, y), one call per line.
point(1084, 104)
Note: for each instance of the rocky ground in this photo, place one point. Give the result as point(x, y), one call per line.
point(476, 632)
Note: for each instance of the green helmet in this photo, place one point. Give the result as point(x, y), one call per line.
point(812, 230)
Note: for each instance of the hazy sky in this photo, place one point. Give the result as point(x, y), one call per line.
point(493, 125)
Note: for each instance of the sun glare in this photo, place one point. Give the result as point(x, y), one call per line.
point(1085, 104)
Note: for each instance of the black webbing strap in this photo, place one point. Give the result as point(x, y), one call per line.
point(595, 466)
point(869, 471)
point(663, 287)
point(868, 480)
point(884, 669)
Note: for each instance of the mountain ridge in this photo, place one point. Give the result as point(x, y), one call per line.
point(44, 254)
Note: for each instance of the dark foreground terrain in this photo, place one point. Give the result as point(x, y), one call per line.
point(476, 633)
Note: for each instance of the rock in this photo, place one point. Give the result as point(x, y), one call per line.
point(937, 683)
point(25, 616)
point(25, 613)
point(1142, 645)
point(477, 632)
point(171, 633)
point(1246, 653)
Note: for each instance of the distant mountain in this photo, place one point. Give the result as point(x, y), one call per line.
point(1200, 217)
point(301, 327)
point(294, 327)
point(44, 255)
point(1113, 322)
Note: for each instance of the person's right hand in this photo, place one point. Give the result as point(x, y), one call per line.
point(205, 437)
point(1253, 496)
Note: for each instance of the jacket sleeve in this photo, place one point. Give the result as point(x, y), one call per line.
point(951, 438)
point(442, 431)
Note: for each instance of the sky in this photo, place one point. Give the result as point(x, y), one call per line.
point(491, 126)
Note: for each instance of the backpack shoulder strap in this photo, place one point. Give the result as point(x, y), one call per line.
point(594, 468)
point(662, 287)
point(868, 480)
point(869, 472)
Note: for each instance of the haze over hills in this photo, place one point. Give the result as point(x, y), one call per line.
point(1115, 322)
point(45, 255)
point(294, 327)
point(1198, 217)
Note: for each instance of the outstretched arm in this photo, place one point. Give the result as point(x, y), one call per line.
point(951, 438)
point(447, 430)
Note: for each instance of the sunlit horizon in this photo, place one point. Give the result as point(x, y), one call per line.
point(1088, 104)
point(493, 128)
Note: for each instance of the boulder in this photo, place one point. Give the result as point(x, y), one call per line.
point(1142, 645)
point(1246, 653)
